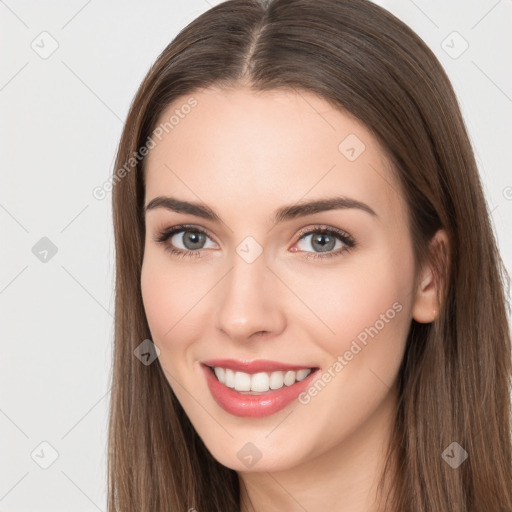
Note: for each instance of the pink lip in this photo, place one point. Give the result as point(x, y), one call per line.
point(254, 406)
point(259, 365)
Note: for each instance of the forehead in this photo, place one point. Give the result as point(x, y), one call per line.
point(240, 147)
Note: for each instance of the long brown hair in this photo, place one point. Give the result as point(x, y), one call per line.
point(454, 382)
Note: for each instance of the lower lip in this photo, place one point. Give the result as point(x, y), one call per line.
point(254, 406)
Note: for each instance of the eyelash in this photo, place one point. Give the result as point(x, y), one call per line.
point(345, 238)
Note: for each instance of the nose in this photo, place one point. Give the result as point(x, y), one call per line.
point(249, 301)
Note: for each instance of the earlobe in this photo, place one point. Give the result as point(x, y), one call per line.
point(426, 305)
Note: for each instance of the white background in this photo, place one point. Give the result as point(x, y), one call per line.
point(62, 117)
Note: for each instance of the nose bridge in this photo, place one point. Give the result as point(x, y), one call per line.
point(248, 297)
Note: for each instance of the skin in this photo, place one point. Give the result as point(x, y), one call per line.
point(245, 154)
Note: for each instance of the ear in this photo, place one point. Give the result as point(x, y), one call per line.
point(426, 305)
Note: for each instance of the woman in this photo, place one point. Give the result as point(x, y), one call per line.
point(309, 298)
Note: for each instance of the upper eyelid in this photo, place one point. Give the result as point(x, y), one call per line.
point(179, 228)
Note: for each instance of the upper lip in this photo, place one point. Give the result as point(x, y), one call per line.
point(258, 365)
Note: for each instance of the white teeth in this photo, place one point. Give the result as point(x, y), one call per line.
point(289, 377)
point(242, 381)
point(259, 382)
point(220, 374)
point(302, 374)
point(276, 380)
point(229, 378)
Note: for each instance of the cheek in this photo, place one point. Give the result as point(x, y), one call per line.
point(156, 297)
point(165, 295)
point(367, 303)
point(175, 298)
point(368, 308)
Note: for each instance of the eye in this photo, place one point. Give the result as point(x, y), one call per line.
point(324, 239)
point(191, 238)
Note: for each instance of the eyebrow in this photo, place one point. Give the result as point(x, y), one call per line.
point(282, 214)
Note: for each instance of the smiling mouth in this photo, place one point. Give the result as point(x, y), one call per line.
point(260, 382)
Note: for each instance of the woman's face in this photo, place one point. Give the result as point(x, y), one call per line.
point(258, 285)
